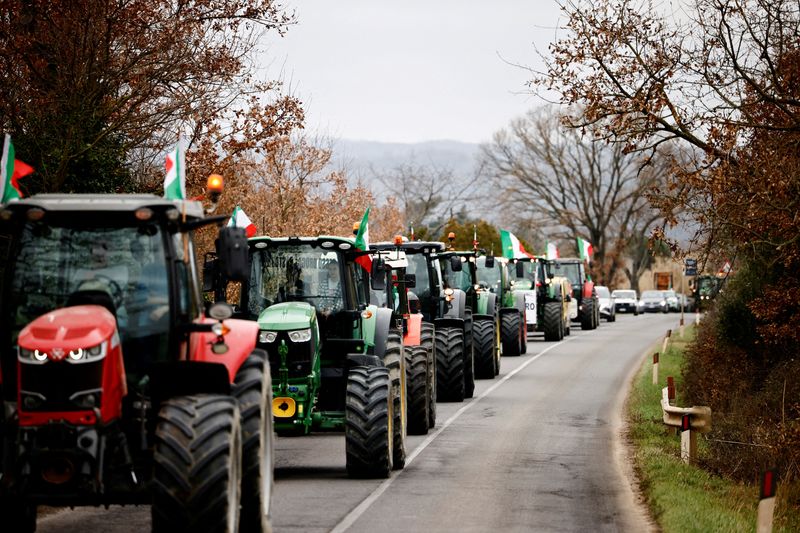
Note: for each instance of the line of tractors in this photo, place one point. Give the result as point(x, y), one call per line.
point(128, 379)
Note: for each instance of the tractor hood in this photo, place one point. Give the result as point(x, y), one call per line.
point(58, 332)
point(287, 316)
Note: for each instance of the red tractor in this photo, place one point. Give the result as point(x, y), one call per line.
point(119, 384)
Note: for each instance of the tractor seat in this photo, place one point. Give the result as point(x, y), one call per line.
point(92, 297)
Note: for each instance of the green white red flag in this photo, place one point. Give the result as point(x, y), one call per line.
point(362, 242)
point(239, 219)
point(512, 248)
point(585, 250)
point(175, 179)
point(552, 251)
point(11, 170)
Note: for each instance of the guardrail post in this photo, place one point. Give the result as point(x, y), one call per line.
point(682, 328)
point(688, 440)
point(655, 368)
point(671, 389)
point(766, 506)
point(666, 341)
point(697, 318)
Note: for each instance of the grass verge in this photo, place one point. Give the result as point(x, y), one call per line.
point(681, 497)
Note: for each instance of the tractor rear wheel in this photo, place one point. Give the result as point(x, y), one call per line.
point(510, 329)
point(417, 393)
point(449, 365)
point(469, 355)
point(394, 360)
point(553, 323)
point(197, 464)
point(17, 515)
point(484, 337)
point(368, 422)
point(427, 339)
point(252, 388)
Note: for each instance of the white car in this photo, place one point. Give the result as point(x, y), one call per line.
point(626, 301)
point(654, 302)
point(606, 300)
point(673, 304)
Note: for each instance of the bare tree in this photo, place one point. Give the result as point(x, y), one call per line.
point(574, 186)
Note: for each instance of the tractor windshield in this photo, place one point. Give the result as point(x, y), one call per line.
point(492, 277)
point(571, 271)
point(120, 268)
point(524, 274)
point(418, 265)
point(457, 280)
point(298, 272)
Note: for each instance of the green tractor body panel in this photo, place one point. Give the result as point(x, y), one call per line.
point(368, 326)
point(287, 316)
point(483, 303)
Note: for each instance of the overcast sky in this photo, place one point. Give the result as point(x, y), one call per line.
point(414, 70)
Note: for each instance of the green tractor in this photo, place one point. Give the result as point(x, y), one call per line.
point(419, 348)
point(583, 291)
point(444, 307)
point(338, 359)
point(494, 276)
point(546, 306)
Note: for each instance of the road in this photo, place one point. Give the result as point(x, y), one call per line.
point(535, 450)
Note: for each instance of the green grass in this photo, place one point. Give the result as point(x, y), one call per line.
point(681, 497)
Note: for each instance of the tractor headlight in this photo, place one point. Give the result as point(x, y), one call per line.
point(300, 335)
point(265, 337)
point(31, 356)
point(86, 355)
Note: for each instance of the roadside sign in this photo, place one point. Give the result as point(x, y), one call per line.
point(690, 267)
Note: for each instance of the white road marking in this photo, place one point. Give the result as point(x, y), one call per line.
point(362, 507)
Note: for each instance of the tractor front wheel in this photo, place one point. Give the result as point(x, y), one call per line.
point(449, 365)
point(368, 422)
point(510, 327)
point(428, 340)
point(587, 314)
point(553, 324)
point(417, 393)
point(484, 337)
point(17, 514)
point(469, 355)
point(252, 388)
point(197, 465)
point(394, 360)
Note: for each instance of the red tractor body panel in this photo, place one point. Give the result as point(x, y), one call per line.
point(48, 389)
point(413, 329)
point(241, 340)
point(588, 289)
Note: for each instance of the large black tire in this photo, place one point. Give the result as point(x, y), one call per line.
point(449, 365)
point(523, 338)
point(18, 516)
point(197, 465)
point(587, 314)
point(252, 388)
point(428, 340)
point(510, 329)
point(484, 337)
point(417, 389)
point(553, 322)
point(368, 422)
point(469, 355)
point(394, 360)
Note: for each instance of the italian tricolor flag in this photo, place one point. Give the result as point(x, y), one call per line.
point(362, 242)
point(239, 219)
point(12, 170)
point(512, 248)
point(585, 249)
point(175, 180)
point(552, 251)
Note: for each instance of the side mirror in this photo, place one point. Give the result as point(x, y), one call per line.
point(520, 269)
point(233, 254)
point(489, 261)
point(455, 263)
point(411, 281)
point(378, 264)
point(377, 280)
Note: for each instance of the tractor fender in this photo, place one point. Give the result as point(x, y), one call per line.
point(241, 341)
point(383, 322)
point(487, 302)
point(519, 300)
point(448, 322)
point(588, 289)
point(413, 330)
point(357, 359)
point(457, 304)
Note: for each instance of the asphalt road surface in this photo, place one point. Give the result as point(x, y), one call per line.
point(536, 449)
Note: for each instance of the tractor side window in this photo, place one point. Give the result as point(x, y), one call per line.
point(182, 280)
point(361, 277)
point(418, 266)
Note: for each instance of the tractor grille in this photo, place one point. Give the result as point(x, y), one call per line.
point(61, 386)
point(298, 360)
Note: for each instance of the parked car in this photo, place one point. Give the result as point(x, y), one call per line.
point(654, 302)
point(686, 301)
point(607, 307)
point(673, 304)
point(625, 301)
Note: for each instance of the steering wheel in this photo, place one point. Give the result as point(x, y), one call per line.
point(114, 288)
